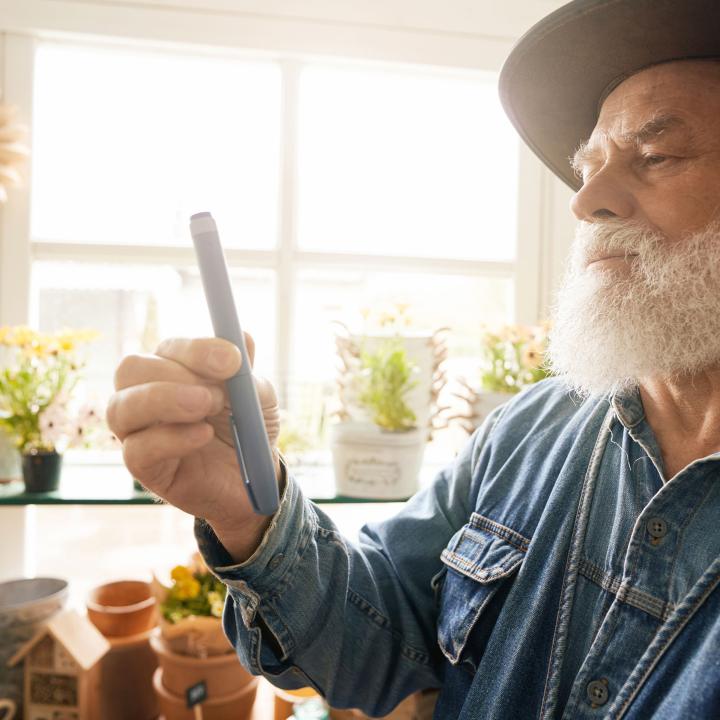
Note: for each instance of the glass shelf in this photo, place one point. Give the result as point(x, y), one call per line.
point(112, 484)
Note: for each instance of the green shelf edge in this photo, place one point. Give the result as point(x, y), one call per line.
point(13, 494)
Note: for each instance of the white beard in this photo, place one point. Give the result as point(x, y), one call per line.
point(659, 316)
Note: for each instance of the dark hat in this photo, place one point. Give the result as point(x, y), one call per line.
point(559, 73)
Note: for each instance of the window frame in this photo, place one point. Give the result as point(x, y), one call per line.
point(18, 250)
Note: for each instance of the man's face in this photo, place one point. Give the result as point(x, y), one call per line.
point(641, 298)
point(654, 155)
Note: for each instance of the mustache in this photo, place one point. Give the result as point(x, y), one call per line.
point(613, 238)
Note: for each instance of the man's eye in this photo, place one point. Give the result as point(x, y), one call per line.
point(653, 159)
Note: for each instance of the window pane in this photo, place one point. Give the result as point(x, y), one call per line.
point(435, 301)
point(128, 144)
point(407, 164)
point(134, 307)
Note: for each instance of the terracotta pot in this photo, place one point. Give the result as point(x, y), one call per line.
point(126, 684)
point(196, 635)
point(285, 699)
point(237, 706)
point(223, 674)
point(123, 608)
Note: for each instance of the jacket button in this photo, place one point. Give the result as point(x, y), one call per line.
point(657, 528)
point(276, 561)
point(597, 692)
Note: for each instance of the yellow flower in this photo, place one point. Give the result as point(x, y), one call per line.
point(21, 336)
point(179, 573)
point(187, 589)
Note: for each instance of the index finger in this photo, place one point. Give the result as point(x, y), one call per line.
point(212, 358)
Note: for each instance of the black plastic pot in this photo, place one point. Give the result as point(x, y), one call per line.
point(41, 471)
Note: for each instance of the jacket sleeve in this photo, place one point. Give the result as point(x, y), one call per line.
point(354, 620)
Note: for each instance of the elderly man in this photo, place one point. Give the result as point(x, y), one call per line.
point(567, 563)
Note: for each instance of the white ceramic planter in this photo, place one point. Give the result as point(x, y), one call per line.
point(10, 466)
point(376, 464)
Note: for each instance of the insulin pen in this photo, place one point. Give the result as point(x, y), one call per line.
point(246, 421)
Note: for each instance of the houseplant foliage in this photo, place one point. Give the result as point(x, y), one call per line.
point(385, 330)
point(386, 378)
point(513, 357)
point(193, 593)
point(38, 374)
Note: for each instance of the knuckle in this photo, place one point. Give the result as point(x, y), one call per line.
point(126, 370)
point(153, 403)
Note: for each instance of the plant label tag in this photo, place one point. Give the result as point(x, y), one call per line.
point(196, 694)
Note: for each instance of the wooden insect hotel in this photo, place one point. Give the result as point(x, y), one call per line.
point(62, 669)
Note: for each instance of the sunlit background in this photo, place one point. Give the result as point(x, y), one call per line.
point(388, 163)
point(356, 158)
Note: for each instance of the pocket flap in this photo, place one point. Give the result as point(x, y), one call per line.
point(485, 550)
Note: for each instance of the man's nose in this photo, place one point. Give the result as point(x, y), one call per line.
point(604, 195)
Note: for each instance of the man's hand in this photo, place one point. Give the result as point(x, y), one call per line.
point(171, 413)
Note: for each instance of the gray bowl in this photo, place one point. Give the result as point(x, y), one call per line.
point(30, 601)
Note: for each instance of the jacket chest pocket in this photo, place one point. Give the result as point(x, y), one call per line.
point(479, 562)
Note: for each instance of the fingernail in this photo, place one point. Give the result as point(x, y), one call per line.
point(192, 397)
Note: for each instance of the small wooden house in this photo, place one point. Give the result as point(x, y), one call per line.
point(62, 669)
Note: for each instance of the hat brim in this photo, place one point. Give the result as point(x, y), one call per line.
point(555, 77)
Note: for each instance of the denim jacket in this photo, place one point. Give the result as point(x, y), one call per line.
point(550, 571)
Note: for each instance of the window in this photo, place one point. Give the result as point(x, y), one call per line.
point(336, 187)
point(405, 164)
point(128, 144)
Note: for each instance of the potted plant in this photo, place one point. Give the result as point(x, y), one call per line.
point(380, 458)
point(38, 373)
point(426, 350)
point(512, 357)
point(191, 645)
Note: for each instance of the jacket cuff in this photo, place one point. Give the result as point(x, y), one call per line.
point(268, 568)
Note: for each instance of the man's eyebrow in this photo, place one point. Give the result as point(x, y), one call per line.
point(648, 130)
point(654, 127)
